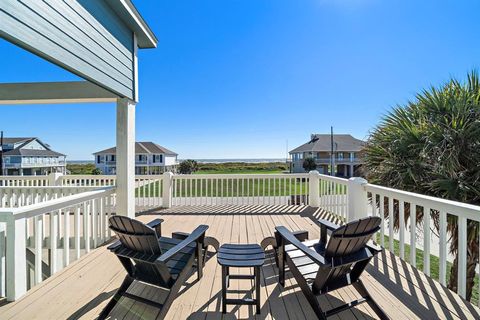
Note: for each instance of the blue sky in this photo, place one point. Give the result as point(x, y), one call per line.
point(237, 79)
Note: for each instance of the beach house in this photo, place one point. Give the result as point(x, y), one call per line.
point(150, 158)
point(30, 157)
point(342, 152)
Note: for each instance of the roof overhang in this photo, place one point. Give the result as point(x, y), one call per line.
point(54, 92)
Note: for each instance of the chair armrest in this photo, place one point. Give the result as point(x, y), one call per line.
point(157, 225)
point(328, 224)
point(326, 227)
point(291, 239)
point(197, 234)
point(374, 248)
point(114, 246)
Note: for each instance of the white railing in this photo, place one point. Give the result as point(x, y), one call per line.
point(24, 181)
point(148, 188)
point(49, 235)
point(333, 195)
point(87, 180)
point(14, 197)
point(236, 189)
point(392, 206)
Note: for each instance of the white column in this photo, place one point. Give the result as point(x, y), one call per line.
point(357, 199)
point(314, 188)
point(167, 190)
point(16, 261)
point(125, 157)
point(21, 172)
point(352, 170)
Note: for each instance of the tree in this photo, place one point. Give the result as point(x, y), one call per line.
point(96, 171)
point(188, 166)
point(309, 164)
point(431, 146)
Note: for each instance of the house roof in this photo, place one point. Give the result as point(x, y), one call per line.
point(33, 152)
point(19, 151)
point(16, 140)
point(142, 148)
point(322, 142)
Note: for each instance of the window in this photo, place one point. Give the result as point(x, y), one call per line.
point(161, 158)
point(340, 156)
point(98, 159)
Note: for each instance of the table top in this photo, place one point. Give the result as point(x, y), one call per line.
point(241, 255)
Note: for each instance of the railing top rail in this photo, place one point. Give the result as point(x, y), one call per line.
point(334, 179)
point(52, 205)
point(456, 208)
point(148, 176)
point(48, 187)
point(240, 176)
point(87, 176)
point(23, 177)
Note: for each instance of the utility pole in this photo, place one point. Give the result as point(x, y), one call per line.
point(1, 153)
point(332, 156)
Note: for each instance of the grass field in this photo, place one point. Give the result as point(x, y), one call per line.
point(434, 264)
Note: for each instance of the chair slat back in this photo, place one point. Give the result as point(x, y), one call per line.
point(344, 241)
point(135, 235)
point(351, 237)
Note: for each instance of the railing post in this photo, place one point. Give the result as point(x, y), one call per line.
point(314, 189)
point(16, 261)
point(167, 190)
point(357, 199)
point(55, 179)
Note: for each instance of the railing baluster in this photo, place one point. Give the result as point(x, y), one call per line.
point(401, 219)
point(38, 248)
point(391, 222)
point(462, 256)
point(442, 247)
point(66, 237)
point(426, 240)
point(53, 240)
point(77, 231)
point(382, 224)
point(413, 229)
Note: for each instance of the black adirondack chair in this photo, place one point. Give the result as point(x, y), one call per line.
point(150, 258)
point(320, 266)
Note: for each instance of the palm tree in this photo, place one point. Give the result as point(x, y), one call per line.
point(432, 146)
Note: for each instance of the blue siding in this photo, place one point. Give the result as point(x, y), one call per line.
point(84, 36)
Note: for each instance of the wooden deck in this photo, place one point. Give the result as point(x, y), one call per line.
point(83, 289)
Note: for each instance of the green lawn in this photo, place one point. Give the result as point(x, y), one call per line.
point(225, 187)
point(434, 264)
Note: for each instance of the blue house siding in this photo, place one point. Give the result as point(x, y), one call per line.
point(85, 37)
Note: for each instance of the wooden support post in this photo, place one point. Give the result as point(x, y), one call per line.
point(314, 189)
point(16, 259)
point(125, 157)
point(357, 199)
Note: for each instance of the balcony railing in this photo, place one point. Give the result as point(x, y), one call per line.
point(344, 199)
point(66, 227)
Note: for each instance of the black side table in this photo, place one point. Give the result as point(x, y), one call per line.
point(240, 256)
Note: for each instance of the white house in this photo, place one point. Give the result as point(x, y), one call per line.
point(150, 158)
point(30, 156)
point(346, 154)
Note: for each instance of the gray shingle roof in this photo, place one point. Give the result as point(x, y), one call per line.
point(33, 153)
point(142, 148)
point(321, 143)
point(19, 151)
point(16, 140)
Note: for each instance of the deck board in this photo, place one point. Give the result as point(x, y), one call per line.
point(83, 289)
